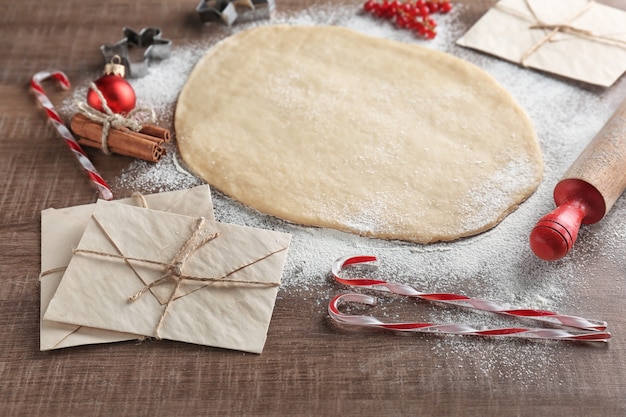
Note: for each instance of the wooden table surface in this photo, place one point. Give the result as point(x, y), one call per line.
point(309, 367)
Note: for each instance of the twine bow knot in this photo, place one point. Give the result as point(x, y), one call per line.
point(109, 119)
point(174, 269)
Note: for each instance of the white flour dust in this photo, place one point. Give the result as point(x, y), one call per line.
point(495, 265)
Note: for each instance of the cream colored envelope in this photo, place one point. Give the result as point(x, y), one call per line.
point(172, 276)
point(578, 39)
point(61, 230)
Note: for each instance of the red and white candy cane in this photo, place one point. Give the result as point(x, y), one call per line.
point(55, 119)
point(595, 328)
point(460, 329)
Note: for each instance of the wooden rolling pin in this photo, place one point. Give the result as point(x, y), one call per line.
point(586, 192)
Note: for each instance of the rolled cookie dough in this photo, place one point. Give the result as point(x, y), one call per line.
point(324, 126)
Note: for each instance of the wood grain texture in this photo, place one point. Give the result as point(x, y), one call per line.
point(309, 366)
point(603, 162)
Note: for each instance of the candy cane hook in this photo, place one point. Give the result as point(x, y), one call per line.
point(67, 136)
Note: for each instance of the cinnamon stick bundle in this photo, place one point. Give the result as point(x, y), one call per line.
point(145, 144)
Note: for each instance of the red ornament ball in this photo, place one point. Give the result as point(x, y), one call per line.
point(117, 92)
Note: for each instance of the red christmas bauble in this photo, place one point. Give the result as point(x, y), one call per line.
point(118, 93)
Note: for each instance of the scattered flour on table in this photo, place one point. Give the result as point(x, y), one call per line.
point(495, 265)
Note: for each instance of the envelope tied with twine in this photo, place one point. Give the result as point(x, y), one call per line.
point(61, 230)
point(577, 39)
point(172, 276)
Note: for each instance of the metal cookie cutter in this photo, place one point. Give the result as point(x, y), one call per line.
point(230, 10)
point(149, 38)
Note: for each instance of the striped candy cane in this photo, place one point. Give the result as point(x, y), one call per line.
point(55, 119)
point(595, 328)
point(452, 328)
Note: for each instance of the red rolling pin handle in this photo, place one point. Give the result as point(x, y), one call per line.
point(587, 191)
point(578, 202)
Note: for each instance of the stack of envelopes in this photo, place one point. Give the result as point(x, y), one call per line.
point(157, 266)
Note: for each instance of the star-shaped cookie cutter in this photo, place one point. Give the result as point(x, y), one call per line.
point(156, 48)
point(228, 11)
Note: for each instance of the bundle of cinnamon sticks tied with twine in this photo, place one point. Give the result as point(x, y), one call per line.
point(120, 134)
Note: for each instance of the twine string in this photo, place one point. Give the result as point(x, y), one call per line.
point(52, 271)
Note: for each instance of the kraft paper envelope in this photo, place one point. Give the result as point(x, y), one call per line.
point(61, 230)
point(577, 39)
point(172, 276)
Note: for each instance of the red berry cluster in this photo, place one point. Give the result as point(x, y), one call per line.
point(414, 15)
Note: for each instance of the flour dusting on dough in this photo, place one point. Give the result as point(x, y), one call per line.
point(351, 132)
point(496, 193)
